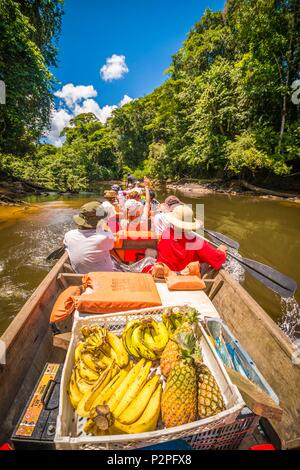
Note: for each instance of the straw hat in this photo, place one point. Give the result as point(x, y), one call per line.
point(90, 214)
point(182, 217)
point(110, 194)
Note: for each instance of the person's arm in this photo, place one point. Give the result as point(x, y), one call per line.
point(215, 257)
point(147, 207)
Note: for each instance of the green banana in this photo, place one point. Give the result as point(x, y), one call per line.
point(137, 342)
point(161, 335)
point(127, 337)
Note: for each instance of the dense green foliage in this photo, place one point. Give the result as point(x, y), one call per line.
point(224, 110)
point(28, 30)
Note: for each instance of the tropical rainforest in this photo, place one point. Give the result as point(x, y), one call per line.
point(229, 106)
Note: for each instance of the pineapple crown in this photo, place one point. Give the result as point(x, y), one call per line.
point(186, 342)
point(197, 354)
point(176, 316)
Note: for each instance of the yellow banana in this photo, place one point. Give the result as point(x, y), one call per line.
point(90, 361)
point(77, 352)
point(87, 373)
point(83, 385)
point(137, 342)
point(118, 348)
point(133, 390)
point(104, 360)
point(148, 339)
point(161, 335)
point(126, 336)
point(74, 393)
point(148, 420)
point(87, 400)
point(110, 389)
point(130, 377)
point(129, 365)
point(133, 412)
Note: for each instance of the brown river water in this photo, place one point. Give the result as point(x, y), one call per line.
point(267, 230)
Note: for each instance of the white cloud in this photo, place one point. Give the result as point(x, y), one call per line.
point(91, 106)
point(114, 68)
point(126, 99)
point(77, 100)
point(71, 94)
point(59, 119)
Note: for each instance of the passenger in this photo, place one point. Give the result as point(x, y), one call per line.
point(110, 205)
point(130, 180)
point(120, 194)
point(88, 246)
point(160, 222)
point(154, 204)
point(133, 210)
point(180, 245)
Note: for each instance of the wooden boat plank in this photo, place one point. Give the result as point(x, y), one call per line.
point(270, 349)
point(27, 345)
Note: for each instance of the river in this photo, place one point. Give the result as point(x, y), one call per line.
point(267, 230)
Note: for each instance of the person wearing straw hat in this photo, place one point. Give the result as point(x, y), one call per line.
point(88, 245)
point(180, 245)
point(160, 222)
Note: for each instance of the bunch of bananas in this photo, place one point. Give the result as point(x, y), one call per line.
point(145, 338)
point(128, 403)
point(97, 360)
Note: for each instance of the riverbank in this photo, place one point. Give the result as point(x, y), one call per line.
point(191, 188)
point(13, 192)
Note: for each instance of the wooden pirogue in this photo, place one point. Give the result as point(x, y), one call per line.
point(29, 345)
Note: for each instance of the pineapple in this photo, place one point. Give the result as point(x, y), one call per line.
point(210, 399)
point(169, 357)
point(179, 398)
point(171, 352)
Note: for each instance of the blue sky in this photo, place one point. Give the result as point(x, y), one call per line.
point(140, 35)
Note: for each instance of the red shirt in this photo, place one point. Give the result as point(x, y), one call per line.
point(177, 253)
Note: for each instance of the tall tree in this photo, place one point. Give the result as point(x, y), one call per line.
point(28, 30)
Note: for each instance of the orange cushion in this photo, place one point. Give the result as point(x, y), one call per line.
point(65, 304)
point(117, 291)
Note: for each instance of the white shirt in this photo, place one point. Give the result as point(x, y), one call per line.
point(88, 250)
point(109, 207)
point(133, 207)
point(160, 223)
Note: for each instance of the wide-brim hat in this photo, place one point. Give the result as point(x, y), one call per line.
point(90, 214)
point(170, 203)
point(110, 194)
point(182, 217)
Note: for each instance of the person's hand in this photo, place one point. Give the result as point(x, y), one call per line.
point(223, 248)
